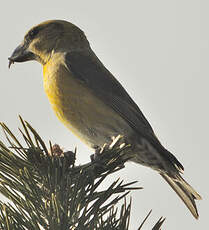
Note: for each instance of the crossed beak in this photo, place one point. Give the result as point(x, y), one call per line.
point(21, 54)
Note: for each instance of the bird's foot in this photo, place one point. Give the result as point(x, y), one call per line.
point(96, 157)
point(99, 155)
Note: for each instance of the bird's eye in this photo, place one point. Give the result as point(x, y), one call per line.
point(33, 33)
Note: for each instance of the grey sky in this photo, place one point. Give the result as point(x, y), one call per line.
point(159, 51)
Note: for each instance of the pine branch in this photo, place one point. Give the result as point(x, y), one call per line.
point(48, 191)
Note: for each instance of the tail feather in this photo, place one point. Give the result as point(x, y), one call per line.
point(184, 191)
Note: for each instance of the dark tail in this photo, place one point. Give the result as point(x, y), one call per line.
point(184, 191)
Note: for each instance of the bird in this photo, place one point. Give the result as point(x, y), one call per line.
point(91, 102)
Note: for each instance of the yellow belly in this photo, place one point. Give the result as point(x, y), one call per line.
point(78, 108)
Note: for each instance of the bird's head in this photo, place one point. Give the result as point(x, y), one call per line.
point(47, 38)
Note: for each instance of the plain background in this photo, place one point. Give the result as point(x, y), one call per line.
point(159, 51)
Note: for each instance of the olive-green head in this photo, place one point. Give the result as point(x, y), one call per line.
point(47, 38)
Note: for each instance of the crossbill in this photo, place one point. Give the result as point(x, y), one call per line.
point(89, 100)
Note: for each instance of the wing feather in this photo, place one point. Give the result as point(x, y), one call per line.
point(88, 69)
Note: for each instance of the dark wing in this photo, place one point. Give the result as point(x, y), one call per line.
point(87, 68)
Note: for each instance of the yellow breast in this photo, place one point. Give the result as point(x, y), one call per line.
point(64, 93)
point(75, 105)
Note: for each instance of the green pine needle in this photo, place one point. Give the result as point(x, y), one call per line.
point(46, 190)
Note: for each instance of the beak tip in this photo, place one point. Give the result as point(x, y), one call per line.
point(10, 62)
